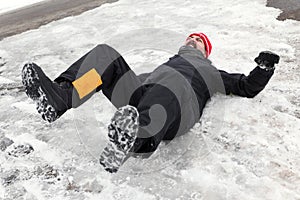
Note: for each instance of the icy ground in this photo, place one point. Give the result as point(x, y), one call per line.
point(242, 149)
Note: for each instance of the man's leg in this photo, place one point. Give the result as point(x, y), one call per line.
point(137, 131)
point(159, 115)
point(117, 81)
point(101, 68)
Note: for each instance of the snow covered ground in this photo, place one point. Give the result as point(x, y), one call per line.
point(242, 149)
point(6, 6)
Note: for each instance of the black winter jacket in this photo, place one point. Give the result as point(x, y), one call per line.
point(193, 79)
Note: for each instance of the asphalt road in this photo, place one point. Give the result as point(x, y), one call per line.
point(34, 16)
point(290, 8)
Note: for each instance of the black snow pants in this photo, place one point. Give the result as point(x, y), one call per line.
point(122, 87)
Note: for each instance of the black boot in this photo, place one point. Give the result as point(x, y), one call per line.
point(52, 99)
point(122, 133)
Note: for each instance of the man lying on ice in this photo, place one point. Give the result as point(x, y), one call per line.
point(151, 107)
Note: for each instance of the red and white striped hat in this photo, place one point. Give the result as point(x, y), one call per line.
point(207, 44)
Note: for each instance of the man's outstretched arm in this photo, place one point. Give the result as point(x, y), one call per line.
point(249, 86)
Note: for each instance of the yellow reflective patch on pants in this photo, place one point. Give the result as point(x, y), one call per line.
point(87, 83)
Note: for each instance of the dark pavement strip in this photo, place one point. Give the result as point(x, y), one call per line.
point(290, 8)
point(36, 15)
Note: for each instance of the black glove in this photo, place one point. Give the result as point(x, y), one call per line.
point(266, 60)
